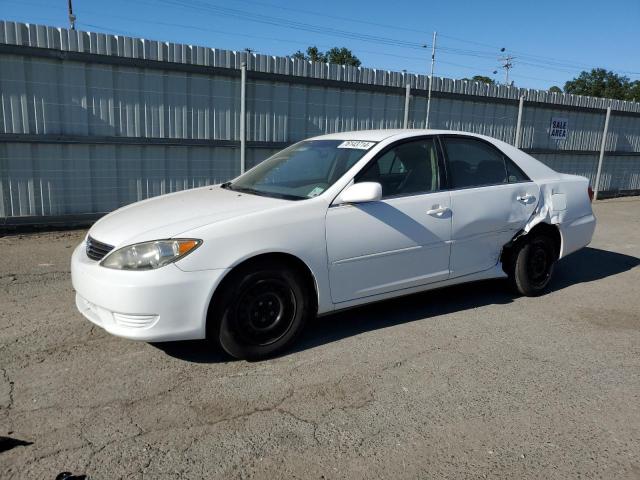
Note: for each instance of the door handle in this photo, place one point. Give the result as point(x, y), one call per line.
point(526, 199)
point(437, 211)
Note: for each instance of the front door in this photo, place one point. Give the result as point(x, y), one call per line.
point(399, 242)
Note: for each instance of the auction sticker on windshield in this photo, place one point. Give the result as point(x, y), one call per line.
point(359, 144)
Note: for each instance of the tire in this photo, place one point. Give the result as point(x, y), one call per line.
point(261, 310)
point(532, 266)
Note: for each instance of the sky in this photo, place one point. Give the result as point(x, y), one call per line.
point(551, 41)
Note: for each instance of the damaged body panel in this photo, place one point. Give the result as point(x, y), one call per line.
point(559, 205)
point(563, 202)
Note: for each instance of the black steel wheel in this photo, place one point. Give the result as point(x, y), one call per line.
point(264, 311)
point(261, 310)
point(533, 263)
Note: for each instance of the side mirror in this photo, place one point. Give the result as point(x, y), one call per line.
point(362, 192)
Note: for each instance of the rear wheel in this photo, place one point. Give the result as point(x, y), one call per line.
point(261, 310)
point(532, 265)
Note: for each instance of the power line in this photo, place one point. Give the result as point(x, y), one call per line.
point(475, 68)
point(224, 32)
point(534, 60)
point(205, 6)
point(335, 17)
point(549, 60)
point(194, 4)
point(208, 8)
point(291, 24)
point(545, 60)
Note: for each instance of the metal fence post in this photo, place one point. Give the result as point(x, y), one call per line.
point(407, 96)
point(519, 123)
point(243, 116)
point(603, 143)
point(433, 61)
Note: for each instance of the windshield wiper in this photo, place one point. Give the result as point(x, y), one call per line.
point(284, 196)
point(262, 193)
point(226, 185)
point(251, 191)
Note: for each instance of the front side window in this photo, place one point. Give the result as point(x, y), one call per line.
point(473, 163)
point(406, 169)
point(303, 170)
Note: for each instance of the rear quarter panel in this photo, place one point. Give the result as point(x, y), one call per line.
point(565, 202)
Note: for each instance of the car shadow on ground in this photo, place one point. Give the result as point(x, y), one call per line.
point(586, 265)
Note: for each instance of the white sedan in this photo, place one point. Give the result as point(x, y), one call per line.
point(326, 224)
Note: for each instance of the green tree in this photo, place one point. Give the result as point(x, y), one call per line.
point(313, 54)
point(482, 78)
point(600, 83)
point(555, 89)
point(634, 91)
point(316, 55)
point(299, 55)
point(340, 56)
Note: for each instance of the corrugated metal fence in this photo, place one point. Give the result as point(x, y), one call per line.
point(90, 122)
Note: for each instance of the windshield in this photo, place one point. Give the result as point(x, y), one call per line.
point(303, 170)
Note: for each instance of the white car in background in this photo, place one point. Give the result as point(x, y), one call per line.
point(326, 224)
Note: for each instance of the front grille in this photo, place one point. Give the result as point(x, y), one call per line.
point(97, 250)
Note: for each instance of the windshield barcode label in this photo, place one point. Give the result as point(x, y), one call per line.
point(359, 144)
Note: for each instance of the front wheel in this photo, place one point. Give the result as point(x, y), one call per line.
point(262, 309)
point(532, 265)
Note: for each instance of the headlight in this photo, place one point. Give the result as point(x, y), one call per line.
point(150, 255)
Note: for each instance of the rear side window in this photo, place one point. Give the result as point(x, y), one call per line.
point(473, 163)
point(514, 172)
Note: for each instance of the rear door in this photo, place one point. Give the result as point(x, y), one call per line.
point(491, 200)
point(399, 242)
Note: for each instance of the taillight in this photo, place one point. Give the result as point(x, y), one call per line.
point(590, 191)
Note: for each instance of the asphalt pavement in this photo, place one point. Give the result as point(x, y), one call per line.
point(464, 382)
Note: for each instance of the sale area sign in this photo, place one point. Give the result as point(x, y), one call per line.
point(559, 128)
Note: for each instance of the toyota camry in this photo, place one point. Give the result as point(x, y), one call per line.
point(326, 224)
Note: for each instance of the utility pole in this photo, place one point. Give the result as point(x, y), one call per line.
point(507, 64)
point(603, 145)
point(243, 116)
point(72, 17)
point(519, 122)
point(407, 98)
point(433, 62)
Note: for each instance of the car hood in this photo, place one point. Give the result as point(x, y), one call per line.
point(170, 215)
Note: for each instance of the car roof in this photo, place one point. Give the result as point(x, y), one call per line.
point(380, 135)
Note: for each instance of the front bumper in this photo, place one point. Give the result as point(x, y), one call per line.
point(155, 305)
